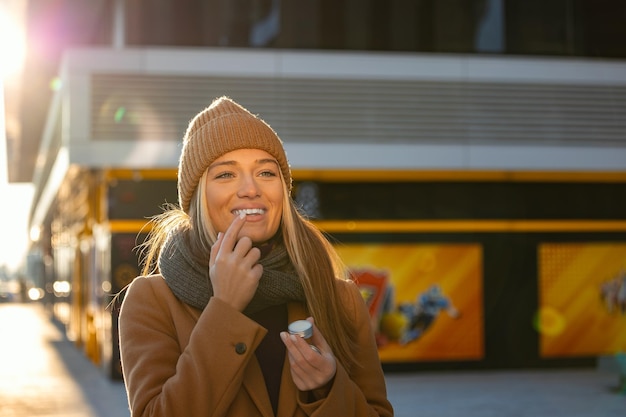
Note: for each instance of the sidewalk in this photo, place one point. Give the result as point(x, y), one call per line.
point(43, 374)
point(546, 393)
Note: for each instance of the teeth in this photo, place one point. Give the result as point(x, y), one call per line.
point(250, 211)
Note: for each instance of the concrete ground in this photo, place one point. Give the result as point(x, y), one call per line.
point(560, 393)
point(43, 374)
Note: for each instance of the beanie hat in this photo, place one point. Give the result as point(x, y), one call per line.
point(223, 127)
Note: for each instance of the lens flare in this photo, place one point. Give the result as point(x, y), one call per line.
point(119, 114)
point(549, 321)
point(12, 44)
point(55, 84)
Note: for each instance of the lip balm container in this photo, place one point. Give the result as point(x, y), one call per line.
point(301, 328)
point(304, 329)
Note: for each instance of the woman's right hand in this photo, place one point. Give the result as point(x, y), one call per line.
point(233, 266)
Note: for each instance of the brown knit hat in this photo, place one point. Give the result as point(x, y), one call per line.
point(223, 127)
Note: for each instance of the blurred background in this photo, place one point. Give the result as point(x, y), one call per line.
point(468, 157)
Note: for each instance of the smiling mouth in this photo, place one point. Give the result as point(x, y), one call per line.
point(249, 212)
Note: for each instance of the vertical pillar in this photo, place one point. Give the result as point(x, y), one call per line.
point(119, 24)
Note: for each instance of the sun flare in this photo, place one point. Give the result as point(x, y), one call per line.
point(12, 44)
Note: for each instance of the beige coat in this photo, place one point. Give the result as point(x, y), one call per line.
point(179, 361)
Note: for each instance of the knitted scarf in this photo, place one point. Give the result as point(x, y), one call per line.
point(188, 278)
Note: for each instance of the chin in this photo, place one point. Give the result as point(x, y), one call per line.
point(260, 240)
point(257, 239)
point(258, 236)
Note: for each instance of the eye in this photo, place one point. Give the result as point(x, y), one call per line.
point(224, 175)
point(267, 173)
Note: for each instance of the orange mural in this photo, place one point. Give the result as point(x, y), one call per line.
point(425, 299)
point(582, 299)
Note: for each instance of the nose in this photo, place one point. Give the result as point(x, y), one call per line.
point(248, 187)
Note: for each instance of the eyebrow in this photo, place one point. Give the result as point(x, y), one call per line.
point(233, 162)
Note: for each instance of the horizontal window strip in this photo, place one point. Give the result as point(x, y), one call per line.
point(455, 176)
point(470, 226)
point(130, 226)
point(141, 174)
point(352, 175)
point(430, 226)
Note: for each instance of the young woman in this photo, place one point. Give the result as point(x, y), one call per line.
point(204, 331)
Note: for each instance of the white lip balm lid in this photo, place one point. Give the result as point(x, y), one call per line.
point(301, 328)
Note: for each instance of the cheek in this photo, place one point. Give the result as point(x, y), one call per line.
point(217, 211)
point(277, 202)
point(218, 221)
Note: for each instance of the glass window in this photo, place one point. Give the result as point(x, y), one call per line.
point(521, 27)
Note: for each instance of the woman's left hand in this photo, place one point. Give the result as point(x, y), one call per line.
point(310, 370)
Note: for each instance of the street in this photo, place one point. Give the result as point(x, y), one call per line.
point(44, 374)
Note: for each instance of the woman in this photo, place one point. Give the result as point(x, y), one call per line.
point(203, 332)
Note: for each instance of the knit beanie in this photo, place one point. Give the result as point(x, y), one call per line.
point(223, 127)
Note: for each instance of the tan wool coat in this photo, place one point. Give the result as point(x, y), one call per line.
point(179, 361)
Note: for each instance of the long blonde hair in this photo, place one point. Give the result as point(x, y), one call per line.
point(317, 263)
point(319, 267)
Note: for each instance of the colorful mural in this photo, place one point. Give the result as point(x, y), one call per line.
point(425, 299)
point(582, 299)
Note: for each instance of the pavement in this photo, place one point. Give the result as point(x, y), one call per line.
point(44, 374)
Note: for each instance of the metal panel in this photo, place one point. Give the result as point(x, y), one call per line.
point(132, 107)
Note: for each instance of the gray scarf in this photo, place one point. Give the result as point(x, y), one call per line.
point(188, 278)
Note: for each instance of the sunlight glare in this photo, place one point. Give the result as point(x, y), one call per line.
point(12, 44)
point(14, 223)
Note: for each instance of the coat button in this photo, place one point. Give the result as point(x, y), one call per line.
point(241, 348)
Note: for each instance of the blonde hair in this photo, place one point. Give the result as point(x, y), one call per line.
point(319, 266)
point(316, 262)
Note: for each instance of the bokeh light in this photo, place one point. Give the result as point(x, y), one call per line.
point(119, 114)
point(549, 321)
point(55, 84)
